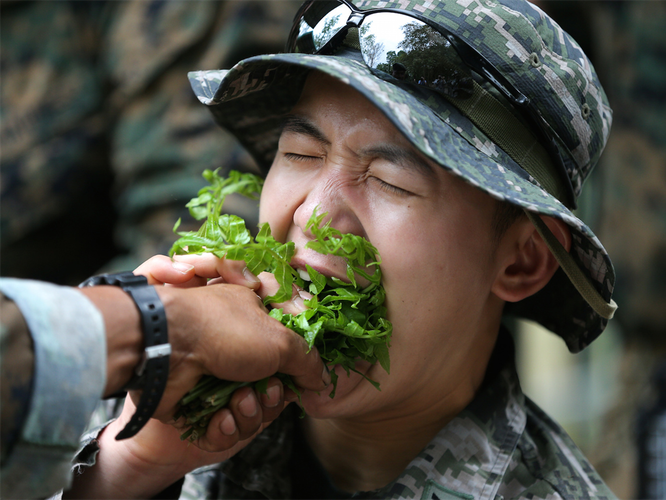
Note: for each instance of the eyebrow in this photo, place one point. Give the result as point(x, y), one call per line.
point(299, 124)
point(401, 156)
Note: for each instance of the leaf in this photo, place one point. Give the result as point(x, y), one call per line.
point(283, 274)
point(262, 385)
point(342, 321)
point(312, 332)
point(381, 351)
point(318, 280)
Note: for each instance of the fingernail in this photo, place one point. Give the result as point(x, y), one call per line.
point(228, 425)
point(181, 266)
point(298, 302)
point(300, 298)
point(248, 407)
point(272, 396)
point(249, 276)
point(326, 375)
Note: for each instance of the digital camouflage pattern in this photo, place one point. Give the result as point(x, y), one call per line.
point(97, 110)
point(501, 446)
point(16, 372)
point(560, 80)
point(251, 98)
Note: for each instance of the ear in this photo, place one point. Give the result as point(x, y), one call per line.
point(526, 262)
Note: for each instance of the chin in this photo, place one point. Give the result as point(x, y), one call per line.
point(349, 394)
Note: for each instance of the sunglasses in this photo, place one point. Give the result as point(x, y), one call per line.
point(409, 48)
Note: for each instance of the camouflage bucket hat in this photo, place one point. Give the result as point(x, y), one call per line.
point(487, 143)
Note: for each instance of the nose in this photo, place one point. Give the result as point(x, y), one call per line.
point(332, 192)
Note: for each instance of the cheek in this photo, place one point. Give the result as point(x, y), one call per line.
point(277, 202)
point(434, 274)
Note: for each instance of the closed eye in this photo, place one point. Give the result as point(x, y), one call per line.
point(390, 188)
point(298, 157)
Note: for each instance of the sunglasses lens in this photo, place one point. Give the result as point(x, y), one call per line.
point(318, 25)
point(411, 50)
point(394, 43)
point(331, 24)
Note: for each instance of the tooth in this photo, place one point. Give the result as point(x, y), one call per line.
point(304, 274)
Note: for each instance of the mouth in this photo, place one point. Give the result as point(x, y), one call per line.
point(329, 267)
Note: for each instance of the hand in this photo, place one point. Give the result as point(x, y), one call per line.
point(223, 329)
point(186, 271)
point(198, 270)
point(144, 465)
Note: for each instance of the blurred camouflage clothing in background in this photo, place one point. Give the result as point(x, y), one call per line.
point(633, 218)
point(99, 127)
point(627, 44)
point(632, 46)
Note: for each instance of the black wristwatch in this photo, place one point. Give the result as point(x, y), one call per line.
point(152, 372)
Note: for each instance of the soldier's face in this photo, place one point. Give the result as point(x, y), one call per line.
point(340, 154)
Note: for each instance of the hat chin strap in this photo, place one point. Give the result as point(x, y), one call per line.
point(576, 276)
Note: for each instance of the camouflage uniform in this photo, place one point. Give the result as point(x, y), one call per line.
point(541, 60)
point(100, 133)
point(53, 374)
point(501, 446)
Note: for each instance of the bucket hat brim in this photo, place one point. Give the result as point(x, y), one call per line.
point(251, 99)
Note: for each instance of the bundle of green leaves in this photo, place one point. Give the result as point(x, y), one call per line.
point(345, 321)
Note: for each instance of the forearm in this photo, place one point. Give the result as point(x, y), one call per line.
point(122, 470)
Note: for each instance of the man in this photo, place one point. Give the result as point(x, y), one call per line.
point(464, 191)
point(116, 129)
point(63, 348)
point(399, 71)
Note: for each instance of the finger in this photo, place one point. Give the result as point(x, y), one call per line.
point(290, 396)
point(231, 271)
point(222, 451)
point(272, 402)
point(247, 412)
point(303, 363)
point(270, 286)
point(160, 269)
point(221, 434)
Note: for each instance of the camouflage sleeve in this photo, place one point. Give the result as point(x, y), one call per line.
point(98, 113)
point(17, 368)
point(69, 373)
point(163, 139)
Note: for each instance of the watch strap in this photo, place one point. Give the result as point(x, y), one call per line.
point(153, 371)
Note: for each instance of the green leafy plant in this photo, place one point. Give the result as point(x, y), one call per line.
point(344, 320)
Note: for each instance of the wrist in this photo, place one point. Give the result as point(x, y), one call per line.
point(129, 468)
point(151, 375)
point(124, 339)
point(182, 322)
